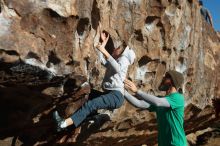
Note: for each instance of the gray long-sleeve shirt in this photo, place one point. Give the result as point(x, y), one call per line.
point(136, 102)
point(116, 70)
point(146, 100)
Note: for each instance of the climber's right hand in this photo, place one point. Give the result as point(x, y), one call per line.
point(103, 36)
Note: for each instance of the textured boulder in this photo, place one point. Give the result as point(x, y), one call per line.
point(47, 51)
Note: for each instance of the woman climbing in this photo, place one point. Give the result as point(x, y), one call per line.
point(116, 58)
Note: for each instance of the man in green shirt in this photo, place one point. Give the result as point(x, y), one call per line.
point(169, 109)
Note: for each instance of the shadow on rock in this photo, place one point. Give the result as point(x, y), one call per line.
point(28, 98)
point(24, 114)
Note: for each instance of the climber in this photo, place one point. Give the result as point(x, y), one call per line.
point(116, 58)
point(169, 110)
point(205, 13)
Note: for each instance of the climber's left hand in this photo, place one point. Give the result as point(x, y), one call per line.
point(101, 47)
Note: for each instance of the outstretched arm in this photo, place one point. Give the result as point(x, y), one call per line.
point(102, 36)
point(101, 57)
point(159, 102)
point(100, 48)
point(136, 102)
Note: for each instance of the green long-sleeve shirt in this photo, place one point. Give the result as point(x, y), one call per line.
point(170, 121)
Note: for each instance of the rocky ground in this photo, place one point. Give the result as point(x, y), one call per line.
point(47, 53)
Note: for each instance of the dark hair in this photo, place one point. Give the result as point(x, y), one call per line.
point(168, 76)
point(201, 3)
point(110, 45)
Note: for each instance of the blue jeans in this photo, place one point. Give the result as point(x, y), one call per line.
point(112, 100)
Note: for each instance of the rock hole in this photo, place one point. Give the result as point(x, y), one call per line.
point(163, 62)
point(32, 55)
point(52, 58)
point(151, 19)
point(144, 60)
point(10, 52)
point(160, 24)
point(168, 50)
point(95, 72)
point(54, 15)
point(95, 14)
point(190, 1)
point(82, 24)
point(69, 85)
point(181, 60)
point(159, 1)
point(139, 35)
point(177, 2)
point(110, 4)
point(87, 60)
point(77, 16)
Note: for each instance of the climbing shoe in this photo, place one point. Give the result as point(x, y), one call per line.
point(58, 120)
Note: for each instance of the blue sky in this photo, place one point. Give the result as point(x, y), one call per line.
point(214, 7)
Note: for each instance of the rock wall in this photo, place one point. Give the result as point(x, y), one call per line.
point(47, 51)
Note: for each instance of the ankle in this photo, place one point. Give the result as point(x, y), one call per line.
point(69, 121)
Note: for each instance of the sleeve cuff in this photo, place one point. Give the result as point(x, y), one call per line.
point(139, 92)
point(110, 59)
